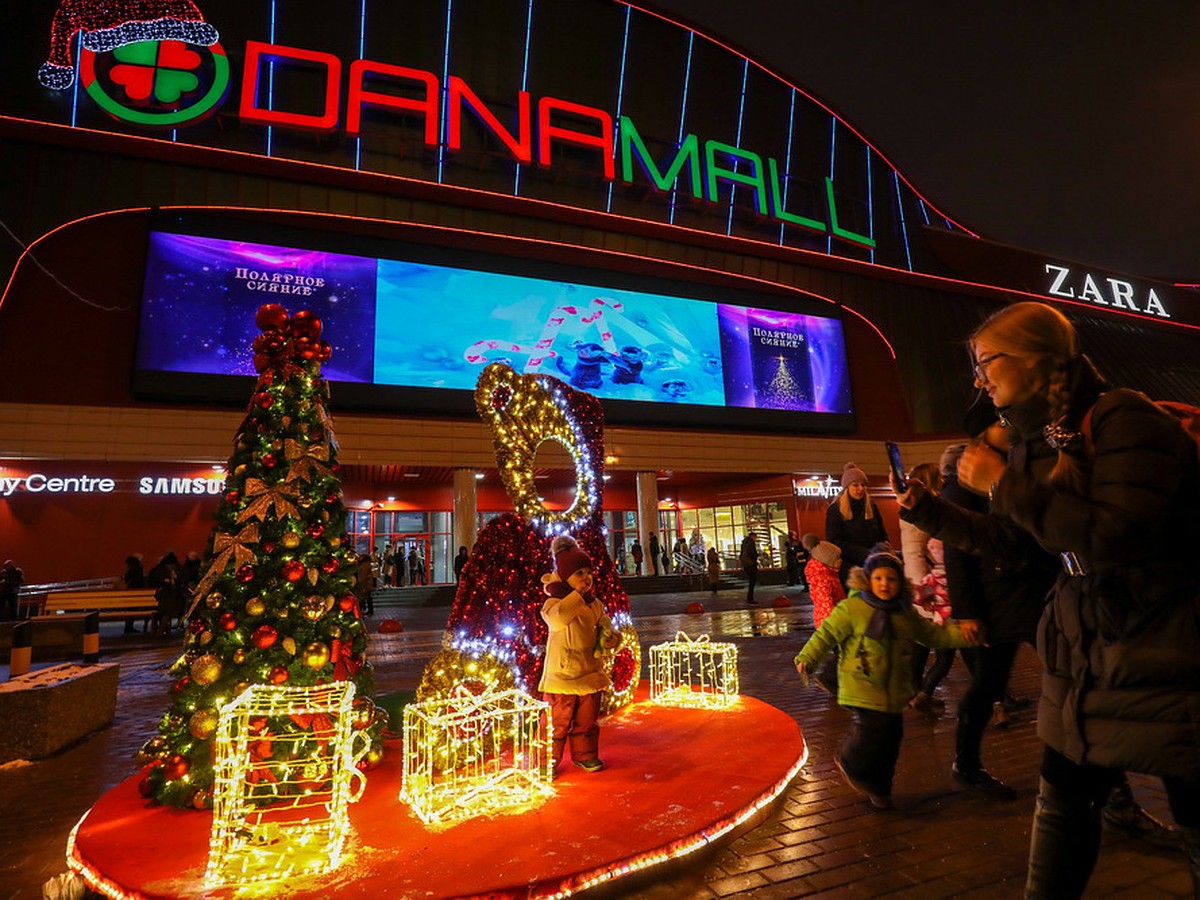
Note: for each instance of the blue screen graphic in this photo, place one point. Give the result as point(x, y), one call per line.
point(419, 325)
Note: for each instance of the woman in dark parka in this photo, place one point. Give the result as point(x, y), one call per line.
point(1117, 496)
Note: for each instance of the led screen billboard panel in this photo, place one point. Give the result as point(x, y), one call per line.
point(412, 333)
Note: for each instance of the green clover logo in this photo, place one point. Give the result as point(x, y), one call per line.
point(153, 82)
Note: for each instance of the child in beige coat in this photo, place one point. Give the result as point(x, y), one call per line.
point(573, 678)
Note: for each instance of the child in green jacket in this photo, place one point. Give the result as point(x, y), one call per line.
point(874, 629)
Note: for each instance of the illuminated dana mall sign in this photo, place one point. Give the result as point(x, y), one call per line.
point(172, 72)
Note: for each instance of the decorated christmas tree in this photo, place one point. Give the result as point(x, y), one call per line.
point(495, 636)
point(275, 603)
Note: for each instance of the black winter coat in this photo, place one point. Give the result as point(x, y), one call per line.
point(1120, 645)
point(854, 536)
point(1007, 592)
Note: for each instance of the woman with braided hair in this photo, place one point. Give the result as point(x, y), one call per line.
point(1107, 480)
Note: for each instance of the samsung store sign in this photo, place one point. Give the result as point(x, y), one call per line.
point(85, 483)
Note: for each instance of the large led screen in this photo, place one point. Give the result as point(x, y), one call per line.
point(424, 326)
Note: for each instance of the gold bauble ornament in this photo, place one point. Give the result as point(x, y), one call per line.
point(255, 606)
point(313, 607)
point(316, 655)
point(240, 471)
point(335, 541)
point(203, 724)
point(206, 637)
point(214, 600)
point(290, 540)
point(289, 644)
point(240, 688)
point(335, 631)
point(239, 656)
point(206, 669)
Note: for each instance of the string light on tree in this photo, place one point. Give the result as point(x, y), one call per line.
point(266, 610)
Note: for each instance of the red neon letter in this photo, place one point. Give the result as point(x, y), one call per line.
point(427, 105)
point(252, 112)
point(520, 147)
point(602, 142)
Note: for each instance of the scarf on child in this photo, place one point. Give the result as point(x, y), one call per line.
point(880, 626)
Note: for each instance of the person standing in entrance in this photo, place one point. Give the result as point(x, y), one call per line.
point(714, 570)
point(853, 522)
point(654, 562)
point(459, 562)
point(635, 553)
point(748, 557)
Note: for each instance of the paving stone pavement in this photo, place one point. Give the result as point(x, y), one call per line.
point(822, 839)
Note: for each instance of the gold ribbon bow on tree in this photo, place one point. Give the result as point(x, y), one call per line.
point(263, 496)
point(311, 461)
point(237, 548)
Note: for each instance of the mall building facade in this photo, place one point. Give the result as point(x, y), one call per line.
point(589, 190)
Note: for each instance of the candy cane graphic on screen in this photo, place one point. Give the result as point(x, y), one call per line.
point(478, 352)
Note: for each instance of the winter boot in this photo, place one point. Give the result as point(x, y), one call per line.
point(1122, 814)
point(1064, 845)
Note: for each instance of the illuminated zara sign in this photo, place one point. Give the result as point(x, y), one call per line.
point(1103, 290)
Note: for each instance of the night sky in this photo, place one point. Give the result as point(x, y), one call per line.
point(1071, 129)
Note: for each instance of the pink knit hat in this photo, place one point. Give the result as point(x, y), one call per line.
point(568, 558)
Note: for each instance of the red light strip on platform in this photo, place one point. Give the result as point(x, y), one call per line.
point(801, 91)
point(94, 879)
point(680, 848)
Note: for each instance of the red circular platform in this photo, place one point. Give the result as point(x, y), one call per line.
point(677, 780)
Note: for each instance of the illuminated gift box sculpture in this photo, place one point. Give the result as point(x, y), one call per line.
point(686, 672)
point(470, 754)
point(283, 774)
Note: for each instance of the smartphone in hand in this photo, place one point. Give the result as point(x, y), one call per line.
point(899, 476)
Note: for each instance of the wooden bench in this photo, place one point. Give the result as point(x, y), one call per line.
point(115, 604)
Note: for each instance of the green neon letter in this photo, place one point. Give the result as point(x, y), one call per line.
point(689, 152)
point(837, 230)
point(777, 209)
point(712, 148)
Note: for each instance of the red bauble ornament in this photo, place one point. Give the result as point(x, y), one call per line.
point(176, 767)
point(307, 347)
point(330, 565)
point(263, 400)
point(315, 529)
point(181, 685)
point(270, 315)
point(232, 497)
point(268, 547)
point(261, 361)
point(695, 608)
point(245, 574)
point(264, 636)
point(269, 460)
point(781, 602)
point(293, 570)
point(305, 324)
point(278, 675)
point(145, 788)
point(391, 626)
point(324, 351)
point(196, 625)
point(228, 621)
point(346, 604)
point(333, 497)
